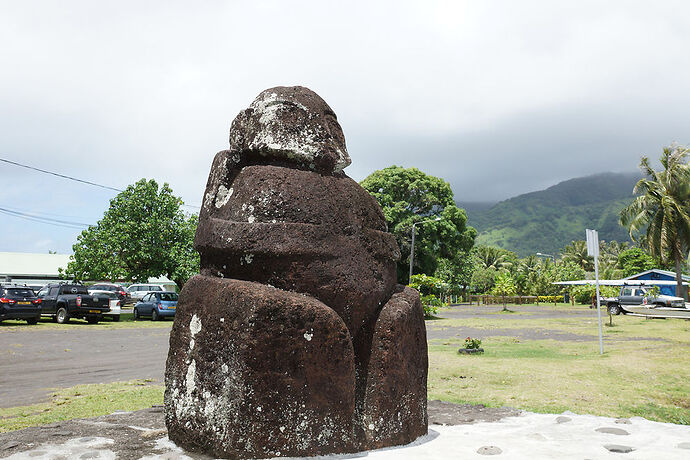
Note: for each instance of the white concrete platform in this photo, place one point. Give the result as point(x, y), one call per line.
point(527, 436)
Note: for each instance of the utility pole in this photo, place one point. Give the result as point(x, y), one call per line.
point(412, 245)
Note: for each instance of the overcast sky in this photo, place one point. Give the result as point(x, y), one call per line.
point(497, 97)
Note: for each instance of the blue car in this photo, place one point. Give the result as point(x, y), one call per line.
point(157, 305)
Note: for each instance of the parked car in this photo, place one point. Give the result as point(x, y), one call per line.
point(122, 294)
point(157, 305)
point(65, 301)
point(638, 300)
point(138, 291)
point(115, 303)
point(19, 302)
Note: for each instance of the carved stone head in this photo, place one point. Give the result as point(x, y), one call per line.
point(291, 124)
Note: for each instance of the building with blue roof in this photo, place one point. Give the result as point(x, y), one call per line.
point(656, 274)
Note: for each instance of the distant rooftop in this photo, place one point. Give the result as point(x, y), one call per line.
point(659, 271)
point(29, 265)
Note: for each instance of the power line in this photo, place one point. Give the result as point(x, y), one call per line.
point(60, 175)
point(38, 213)
point(44, 220)
point(74, 178)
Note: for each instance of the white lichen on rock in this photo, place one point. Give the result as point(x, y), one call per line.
point(195, 325)
point(223, 195)
point(190, 383)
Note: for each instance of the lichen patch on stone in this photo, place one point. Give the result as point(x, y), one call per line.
point(195, 325)
point(223, 196)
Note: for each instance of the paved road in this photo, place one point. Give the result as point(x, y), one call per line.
point(32, 363)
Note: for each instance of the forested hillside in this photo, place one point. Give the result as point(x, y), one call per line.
point(547, 220)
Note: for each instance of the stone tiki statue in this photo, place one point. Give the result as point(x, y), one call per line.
point(295, 339)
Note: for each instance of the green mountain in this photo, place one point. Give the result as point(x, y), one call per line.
point(547, 220)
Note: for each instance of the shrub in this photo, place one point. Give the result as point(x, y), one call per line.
point(426, 284)
point(585, 294)
point(550, 298)
point(431, 304)
point(471, 344)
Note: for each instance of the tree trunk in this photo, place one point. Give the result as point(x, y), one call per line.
point(679, 278)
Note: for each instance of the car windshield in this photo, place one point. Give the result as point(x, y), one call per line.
point(23, 292)
point(169, 296)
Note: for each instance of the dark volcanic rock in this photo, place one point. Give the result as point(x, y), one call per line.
point(394, 405)
point(304, 232)
point(295, 339)
point(254, 371)
point(293, 124)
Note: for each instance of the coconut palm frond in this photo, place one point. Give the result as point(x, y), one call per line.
point(660, 213)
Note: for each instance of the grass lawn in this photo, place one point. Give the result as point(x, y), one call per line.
point(126, 322)
point(83, 401)
point(644, 370)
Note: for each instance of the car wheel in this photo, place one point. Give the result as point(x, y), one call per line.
point(154, 315)
point(92, 320)
point(614, 309)
point(62, 317)
point(136, 314)
point(32, 321)
point(116, 318)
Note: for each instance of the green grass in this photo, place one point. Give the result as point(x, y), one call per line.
point(643, 372)
point(637, 375)
point(126, 322)
point(83, 401)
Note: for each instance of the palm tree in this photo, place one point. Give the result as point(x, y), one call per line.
point(609, 251)
point(492, 257)
point(576, 252)
point(662, 210)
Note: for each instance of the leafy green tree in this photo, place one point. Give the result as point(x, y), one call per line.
point(496, 258)
point(504, 286)
point(143, 234)
point(457, 272)
point(184, 262)
point(576, 252)
point(430, 288)
point(483, 279)
point(426, 284)
point(611, 250)
point(659, 217)
point(409, 195)
point(635, 260)
point(586, 294)
point(522, 272)
point(542, 279)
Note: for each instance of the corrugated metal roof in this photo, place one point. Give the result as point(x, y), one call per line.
point(31, 264)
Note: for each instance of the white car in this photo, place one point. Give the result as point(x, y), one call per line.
point(114, 303)
point(138, 291)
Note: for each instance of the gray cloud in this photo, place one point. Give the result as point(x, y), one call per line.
point(497, 97)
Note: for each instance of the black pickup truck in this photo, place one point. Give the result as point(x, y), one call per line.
point(65, 301)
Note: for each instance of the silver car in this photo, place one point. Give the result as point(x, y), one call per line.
point(138, 291)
